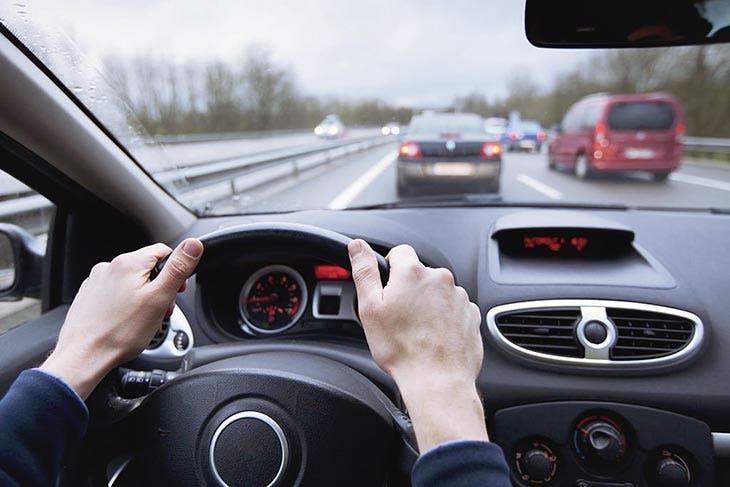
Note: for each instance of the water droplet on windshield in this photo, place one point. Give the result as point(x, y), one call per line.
point(78, 89)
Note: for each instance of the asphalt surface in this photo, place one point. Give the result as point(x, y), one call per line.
point(369, 178)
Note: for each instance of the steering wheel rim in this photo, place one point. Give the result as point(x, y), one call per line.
point(330, 383)
point(326, 244)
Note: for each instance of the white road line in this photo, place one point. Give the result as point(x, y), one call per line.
point(708, 183)
point(543, 188)
point(350, 193)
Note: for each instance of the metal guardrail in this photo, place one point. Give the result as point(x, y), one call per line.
point(706, 145)
point(191, 138)
point(202, 184)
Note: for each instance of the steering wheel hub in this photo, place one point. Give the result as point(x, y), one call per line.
point(250, 447)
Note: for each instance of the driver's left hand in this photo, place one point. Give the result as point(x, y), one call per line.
point(117, 311)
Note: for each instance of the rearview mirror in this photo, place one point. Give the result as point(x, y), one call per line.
point(21, 263)
point(624, 23)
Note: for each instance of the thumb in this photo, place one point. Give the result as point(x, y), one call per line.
point(181, 263)
point(365, 273)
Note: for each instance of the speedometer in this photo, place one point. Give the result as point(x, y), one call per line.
point(272, 299)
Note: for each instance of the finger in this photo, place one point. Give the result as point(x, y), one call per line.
point(146, 258)
point(403, 262)
point(183, 287)
point(179, 266)
point(365, 273)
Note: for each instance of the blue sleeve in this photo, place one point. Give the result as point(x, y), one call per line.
point(41, 418)
point(462, 463)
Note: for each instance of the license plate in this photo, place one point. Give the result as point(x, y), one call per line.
point(527, 144)
point(453, 169)
point(639, 153)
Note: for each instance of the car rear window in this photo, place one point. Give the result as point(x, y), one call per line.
point(530, 127)
point(435, 124)
point(650, 115)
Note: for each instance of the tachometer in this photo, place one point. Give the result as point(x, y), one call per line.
point(272, 299)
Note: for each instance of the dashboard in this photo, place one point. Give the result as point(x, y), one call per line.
point(605, 331)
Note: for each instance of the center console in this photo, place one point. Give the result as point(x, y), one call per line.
point(596, 444)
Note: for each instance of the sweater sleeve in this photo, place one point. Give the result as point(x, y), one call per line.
point(462, 463)
point(41, 418)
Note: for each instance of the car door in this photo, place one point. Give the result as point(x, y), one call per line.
point(62, 230)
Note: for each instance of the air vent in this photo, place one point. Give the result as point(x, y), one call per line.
point(160, 335)
point(622, 334)
point(549, 331)
point(645, 334)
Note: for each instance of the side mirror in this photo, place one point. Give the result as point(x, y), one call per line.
point(21, 263)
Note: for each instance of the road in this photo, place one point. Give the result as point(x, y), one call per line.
point(370, 178)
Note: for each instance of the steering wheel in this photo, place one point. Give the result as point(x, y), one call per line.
point(278, 417)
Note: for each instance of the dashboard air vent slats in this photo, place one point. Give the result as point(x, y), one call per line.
point(544, 331)
point(596, 333)
point(644, 334)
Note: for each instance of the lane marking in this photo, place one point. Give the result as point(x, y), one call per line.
point(540, 187)
point(699, 181)
point(358, 186)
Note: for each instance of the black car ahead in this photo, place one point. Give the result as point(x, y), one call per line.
point(449, 153)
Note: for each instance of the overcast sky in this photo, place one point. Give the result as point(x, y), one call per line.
point(415, 52)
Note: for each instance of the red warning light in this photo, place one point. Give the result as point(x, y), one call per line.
point(331, 272)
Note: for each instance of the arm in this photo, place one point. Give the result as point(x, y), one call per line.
point(423, 331)
point(114, 316)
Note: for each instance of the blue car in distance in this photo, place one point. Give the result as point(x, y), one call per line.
point(524, 135)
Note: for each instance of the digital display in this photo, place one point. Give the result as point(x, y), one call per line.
point(563, 243)
point(556, 243)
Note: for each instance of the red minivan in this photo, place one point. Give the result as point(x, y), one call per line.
point(602, 132)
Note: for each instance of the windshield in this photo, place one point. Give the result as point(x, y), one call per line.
point(249, 107)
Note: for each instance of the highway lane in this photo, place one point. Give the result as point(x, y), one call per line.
point(370, 178)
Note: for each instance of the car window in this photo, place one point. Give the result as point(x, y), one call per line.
point(572, 118)
point(641, 116)
point(530, 127)
point(590, 115)
point(435, 124)
point(21, 206)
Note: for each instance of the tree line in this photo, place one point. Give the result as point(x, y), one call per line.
point(257, 94)
point(698, 76)
point(214, 96)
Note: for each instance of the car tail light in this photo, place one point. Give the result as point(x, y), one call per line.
point(541, 136)
point(490, 149)
point(600, 132)
point(411, 150)
point(514, 135)
point(679, 129)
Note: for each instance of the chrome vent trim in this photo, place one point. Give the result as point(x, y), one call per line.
point(596, 356)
